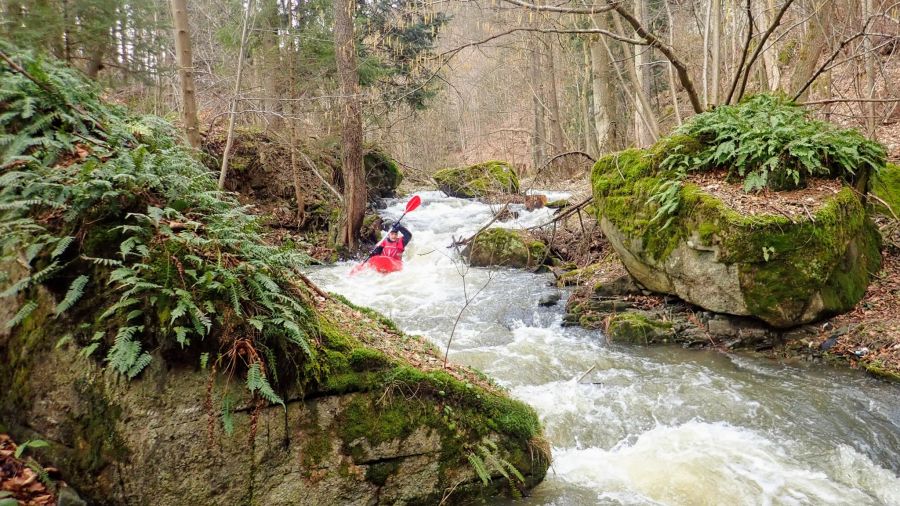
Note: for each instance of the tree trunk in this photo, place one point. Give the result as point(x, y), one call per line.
point(235, 99)
point(587, 110)
point(673, 90)
point(351, 123)
point(270, 63)
point(538, 134)
point(814, 44)
point(185, 71)
point(646, 131)
point(770, 57)
point(556, 132)
point(716, 46)
point(604, 92)
point(292, 122)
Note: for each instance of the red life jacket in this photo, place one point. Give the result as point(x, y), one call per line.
point(392, 249)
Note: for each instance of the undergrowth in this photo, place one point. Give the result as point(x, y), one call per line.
point(767, 141)
point(96, 202)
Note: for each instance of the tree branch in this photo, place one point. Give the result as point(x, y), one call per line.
point(654, 41)
point(740, 67)
point(600, 31)
point(593, 9)
point(830, 59)
point(761, 45)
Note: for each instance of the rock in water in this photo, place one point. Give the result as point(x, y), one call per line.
point(478, 180)
point(505, 248)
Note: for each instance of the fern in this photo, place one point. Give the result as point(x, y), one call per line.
point(139, 181)
point(768, 141)
point(257, 383)
point(23, 313)
point(227, 412)
point(76, 290)
point(486, 461)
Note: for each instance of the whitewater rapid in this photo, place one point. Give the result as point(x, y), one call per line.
point(646, 425)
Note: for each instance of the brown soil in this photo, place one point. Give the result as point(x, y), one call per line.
point(801, 203)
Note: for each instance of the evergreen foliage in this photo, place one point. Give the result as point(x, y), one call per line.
point(769, 141)
point(93, 198)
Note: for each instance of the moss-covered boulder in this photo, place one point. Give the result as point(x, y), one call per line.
point(478, 180)
point(634, 328)
point(785, 271)
point(383, 175)
point(506, 248)
point(375, 430)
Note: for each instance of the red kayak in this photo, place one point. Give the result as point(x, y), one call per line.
point(379, 263)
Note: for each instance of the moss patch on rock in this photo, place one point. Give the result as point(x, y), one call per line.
point(635, 328)
point(506, 248)
point(478, 180)
point(885, 184)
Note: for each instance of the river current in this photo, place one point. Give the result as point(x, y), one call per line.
point(660, 425)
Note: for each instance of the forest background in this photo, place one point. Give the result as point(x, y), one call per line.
point(446, 83)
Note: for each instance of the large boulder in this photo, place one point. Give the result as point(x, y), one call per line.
point(785, 271)
point(505, 248)
point(377, 431)
point(478, 180)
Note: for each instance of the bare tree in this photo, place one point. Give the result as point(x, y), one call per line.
point(235, 99)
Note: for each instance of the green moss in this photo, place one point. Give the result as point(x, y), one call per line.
point(576, 276)
point(396, 419)
point(557, 204)
point(383, 176)
point(505, 247)
point(877, 368)
point(885, 185)
point(634, 328)
point(315, 448)
point(478, 180)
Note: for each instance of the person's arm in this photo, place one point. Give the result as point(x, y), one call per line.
point(377, 251)
point(407, 235)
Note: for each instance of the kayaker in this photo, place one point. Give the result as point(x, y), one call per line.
point(393, 245)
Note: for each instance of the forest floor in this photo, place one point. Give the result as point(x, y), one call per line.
point(21, 477)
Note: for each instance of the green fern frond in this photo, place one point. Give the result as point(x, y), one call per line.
point(23, 313)
point(257, 383)
point(75, 292)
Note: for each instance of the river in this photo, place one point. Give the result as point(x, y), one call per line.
point(660, 425)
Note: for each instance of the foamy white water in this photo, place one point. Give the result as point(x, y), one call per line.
point(646, 425)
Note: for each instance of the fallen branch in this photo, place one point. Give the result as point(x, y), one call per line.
point(568, 212)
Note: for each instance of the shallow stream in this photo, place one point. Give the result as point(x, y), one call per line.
point(658, 425)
